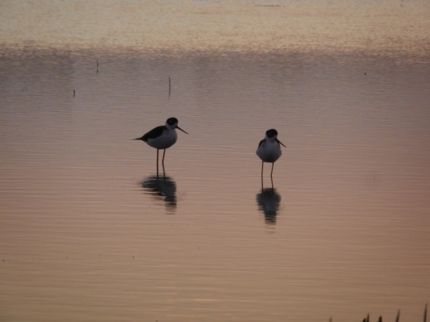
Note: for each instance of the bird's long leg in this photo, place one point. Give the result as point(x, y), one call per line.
point(157, 163)
point(262, 166)
point(271, 173)
point(164, 171)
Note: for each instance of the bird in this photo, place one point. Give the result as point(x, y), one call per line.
point(162, 137)
point(269, 150)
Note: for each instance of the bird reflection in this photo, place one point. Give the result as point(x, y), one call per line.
point(268, 201)
point(162, 188)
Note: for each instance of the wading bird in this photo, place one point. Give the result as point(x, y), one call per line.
point(162, 137)
point(269, 150)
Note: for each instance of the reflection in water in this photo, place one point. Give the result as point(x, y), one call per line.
point(162, 188)
point(268, 201)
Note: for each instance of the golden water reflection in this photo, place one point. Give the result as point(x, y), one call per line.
point(373, 27)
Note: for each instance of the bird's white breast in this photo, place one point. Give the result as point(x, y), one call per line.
point(269, 151)
point(164, 141)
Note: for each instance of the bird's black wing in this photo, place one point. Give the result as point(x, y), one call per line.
point(261, 142)
point(154, 133)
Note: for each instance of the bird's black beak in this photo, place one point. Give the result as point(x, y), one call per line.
point(181, 129)
point(280, 143)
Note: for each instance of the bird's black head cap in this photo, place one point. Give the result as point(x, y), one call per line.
point(271, 133)
point(172, 120)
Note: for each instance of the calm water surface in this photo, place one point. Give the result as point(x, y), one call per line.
point(87, 232)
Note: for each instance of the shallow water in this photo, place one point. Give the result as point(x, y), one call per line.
point(87, 232)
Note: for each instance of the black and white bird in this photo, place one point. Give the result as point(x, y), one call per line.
point(162, 137)
point(269, 150)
